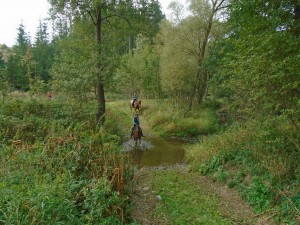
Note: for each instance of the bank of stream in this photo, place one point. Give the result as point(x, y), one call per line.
point(163, 191)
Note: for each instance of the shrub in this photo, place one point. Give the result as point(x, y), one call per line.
point(57, 167)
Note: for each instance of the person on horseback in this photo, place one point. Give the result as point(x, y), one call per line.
point(136, 122)
point(134, 98)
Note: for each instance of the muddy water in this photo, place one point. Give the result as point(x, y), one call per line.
point(155, 151)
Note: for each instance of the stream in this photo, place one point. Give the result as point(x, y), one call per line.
point(155, 151)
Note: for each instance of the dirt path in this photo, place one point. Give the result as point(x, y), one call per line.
point(231, 206)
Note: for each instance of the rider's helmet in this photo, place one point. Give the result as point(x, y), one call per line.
point(136, 115)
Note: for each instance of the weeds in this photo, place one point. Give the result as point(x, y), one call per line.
point(57, 167)
point(170, 120)
point(258, 160)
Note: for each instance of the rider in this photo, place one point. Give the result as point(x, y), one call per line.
point(136, 122)
point(134, 98)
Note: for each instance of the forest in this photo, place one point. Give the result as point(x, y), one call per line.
point(222, 75)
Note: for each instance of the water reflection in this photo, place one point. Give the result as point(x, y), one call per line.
point(155, 152)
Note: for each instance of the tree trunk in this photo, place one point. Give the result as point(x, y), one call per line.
point(297, 18)
point(202, 87)
point(100, 116)
point(101, 103)
point(203, 74)
point(194, 90)
point(201, 77)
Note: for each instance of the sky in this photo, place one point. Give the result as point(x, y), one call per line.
point(29, 13)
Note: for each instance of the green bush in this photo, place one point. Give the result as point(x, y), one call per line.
point(258, 195)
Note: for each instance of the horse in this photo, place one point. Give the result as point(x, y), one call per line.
point(136, 135)
point(137, 106)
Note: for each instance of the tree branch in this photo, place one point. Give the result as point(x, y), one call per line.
point(91, 15)
point(219, 5)
point(124, 18)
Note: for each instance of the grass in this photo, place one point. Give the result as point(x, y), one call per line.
point(167, 119)
point(183, 201)
point(57, 166)
point(258, 160)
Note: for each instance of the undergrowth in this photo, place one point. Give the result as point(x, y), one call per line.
point(58, 166)
point(257, 158)
point(169, 119)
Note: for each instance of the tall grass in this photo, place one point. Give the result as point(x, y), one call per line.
point(58, 167)
point(168, 119)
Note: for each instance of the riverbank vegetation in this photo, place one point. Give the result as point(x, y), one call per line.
point(57, 166)
point(222, 72)
point(169, 120)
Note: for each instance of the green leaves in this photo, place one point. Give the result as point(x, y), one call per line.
point(55, 168)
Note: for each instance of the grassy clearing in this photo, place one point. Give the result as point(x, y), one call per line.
point(258, 159)
point(57, 166)
point(167, 119)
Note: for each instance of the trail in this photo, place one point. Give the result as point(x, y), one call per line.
point(146, 199)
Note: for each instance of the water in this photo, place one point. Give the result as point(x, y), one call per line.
point(155, 151)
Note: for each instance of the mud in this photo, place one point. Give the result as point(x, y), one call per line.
point(155, 151)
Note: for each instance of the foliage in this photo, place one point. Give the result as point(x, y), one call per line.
point(258, 195)
point(177, 67)
point(256, 73)
point(167, 119)
point(26, 63)
point(259, 68)
point(112, 26)
point(73, 72)
point(256, 159)
point(185, 69)
point(16, 71)
point(43, 52)
point(35, 85)
point(56, 167)
point(4, 83)
point(139, 70)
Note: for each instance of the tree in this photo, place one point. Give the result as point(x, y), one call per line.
point(16, 72)
point(260, 64)
point(43, 52)
point(139, 70)
point(207, 13)
point(74, 72)
point(100, 14)
point(4, 84)
point(185, 49)
point(35, 85)
point(177, 66)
